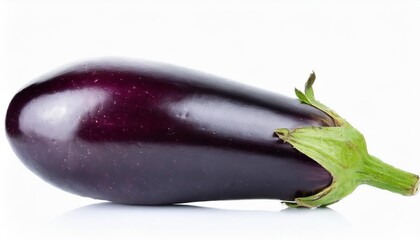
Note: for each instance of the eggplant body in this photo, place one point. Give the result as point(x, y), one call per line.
point(139, 132)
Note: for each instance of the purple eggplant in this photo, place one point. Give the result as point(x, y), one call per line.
point(139, 132)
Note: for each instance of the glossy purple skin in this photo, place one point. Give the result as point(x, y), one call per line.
point(150, 133)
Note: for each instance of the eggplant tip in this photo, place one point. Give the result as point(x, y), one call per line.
point(416, 186)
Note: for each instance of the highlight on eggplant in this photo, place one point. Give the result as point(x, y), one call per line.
point(139, 132)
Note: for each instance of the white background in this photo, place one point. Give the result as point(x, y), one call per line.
point(367, 58)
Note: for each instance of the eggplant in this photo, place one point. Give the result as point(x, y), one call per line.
point(140, 132)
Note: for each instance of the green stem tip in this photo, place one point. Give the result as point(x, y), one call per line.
point(341, 150)
point(381, 175)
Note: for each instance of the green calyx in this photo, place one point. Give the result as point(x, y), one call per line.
point(342, 151)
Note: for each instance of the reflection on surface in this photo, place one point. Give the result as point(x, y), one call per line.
point(107, 219)
point(56, 116)
point(231, 118)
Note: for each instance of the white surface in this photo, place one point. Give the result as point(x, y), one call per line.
point(366, 56)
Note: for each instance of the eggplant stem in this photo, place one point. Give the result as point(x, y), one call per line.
point(381, 175)
point(342, 151)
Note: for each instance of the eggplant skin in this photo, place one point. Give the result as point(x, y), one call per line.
point(139, 132)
